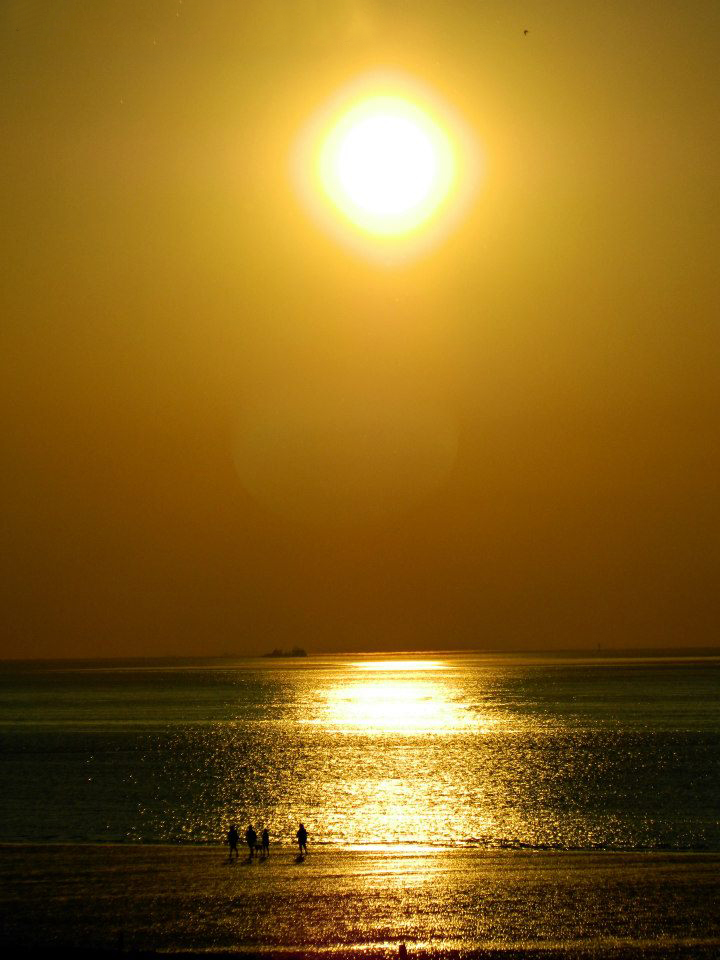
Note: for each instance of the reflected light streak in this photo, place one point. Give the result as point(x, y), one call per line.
point(397, 706)
point(395, 665)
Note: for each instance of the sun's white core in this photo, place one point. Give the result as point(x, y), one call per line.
point(386, 165)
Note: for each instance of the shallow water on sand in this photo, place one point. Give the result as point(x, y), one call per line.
point(493, 752)
point(191, 898)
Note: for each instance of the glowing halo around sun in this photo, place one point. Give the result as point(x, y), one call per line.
point(386, 167)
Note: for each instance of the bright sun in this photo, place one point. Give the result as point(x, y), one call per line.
point(386, 165)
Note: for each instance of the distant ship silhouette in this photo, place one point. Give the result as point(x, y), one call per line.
point(295, 652)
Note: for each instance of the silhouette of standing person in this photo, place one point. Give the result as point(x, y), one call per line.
point(251, 840)
point(302, 838)
point(232, 839)
point(265, 842)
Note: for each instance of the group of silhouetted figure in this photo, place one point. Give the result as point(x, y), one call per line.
point(261, 847)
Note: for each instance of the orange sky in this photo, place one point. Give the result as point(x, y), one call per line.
point(224, 431)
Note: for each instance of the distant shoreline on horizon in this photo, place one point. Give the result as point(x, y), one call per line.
point(581, 653)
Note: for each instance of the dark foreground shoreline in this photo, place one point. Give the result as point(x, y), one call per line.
point(110, 901)
point(693, 951)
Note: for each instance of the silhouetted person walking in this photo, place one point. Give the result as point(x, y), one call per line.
point(251, 840)
point(265, 842)
point(302, 838)
point(232, 839)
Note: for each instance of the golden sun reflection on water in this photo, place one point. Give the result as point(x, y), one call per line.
point(407, 714)
point(394, 665)
point(391, 704)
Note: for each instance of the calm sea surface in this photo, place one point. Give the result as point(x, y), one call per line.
point(477, 751)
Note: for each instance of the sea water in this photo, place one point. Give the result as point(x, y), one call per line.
point(477, 751)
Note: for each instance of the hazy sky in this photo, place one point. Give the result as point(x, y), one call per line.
point(223, 431)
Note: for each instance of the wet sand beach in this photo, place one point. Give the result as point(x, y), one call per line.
point(449, 902)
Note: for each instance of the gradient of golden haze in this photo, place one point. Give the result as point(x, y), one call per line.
point(224, 430)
